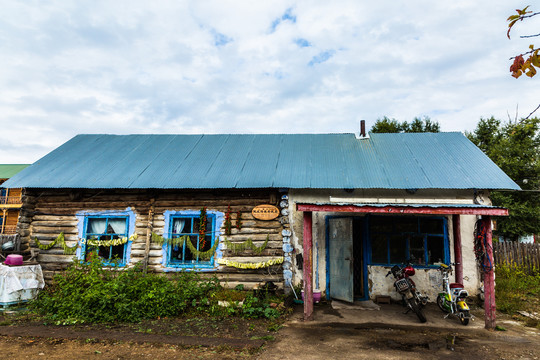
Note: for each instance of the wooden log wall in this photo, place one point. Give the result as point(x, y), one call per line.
point(45, 214)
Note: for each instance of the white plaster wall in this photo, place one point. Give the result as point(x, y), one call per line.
point(427, 280)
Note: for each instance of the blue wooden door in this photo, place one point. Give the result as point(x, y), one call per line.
point(341, 258)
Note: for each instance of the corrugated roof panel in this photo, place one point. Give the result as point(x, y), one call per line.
point(401, 169)
point(135, 149)
point(260, 164)
point(228, 163)
point(386, 161)
point(193, 171)
point(69, 160)
point(107, 158)
point(370, 170)
point(159, 173)
point(330, 163)
point(294, 167)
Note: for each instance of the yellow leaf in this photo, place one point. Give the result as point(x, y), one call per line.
point(535, 60)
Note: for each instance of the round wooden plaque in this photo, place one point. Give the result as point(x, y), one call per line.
point(265, 212)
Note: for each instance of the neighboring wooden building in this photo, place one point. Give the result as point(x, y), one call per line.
point(10, 200)
point(340, 209)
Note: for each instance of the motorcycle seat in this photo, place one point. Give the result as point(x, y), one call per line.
point(456, 285)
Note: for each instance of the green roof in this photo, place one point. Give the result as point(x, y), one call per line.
point(8, 170)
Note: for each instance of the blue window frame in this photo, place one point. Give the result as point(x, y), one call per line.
point(187, 224)
point(395, 239)
point(103, 228)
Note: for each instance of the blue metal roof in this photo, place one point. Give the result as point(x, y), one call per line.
point(317, 161)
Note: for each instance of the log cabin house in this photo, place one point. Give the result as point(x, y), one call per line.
point(343, 207)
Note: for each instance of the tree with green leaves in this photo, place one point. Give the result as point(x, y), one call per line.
point(515, 148)
point(387, 125)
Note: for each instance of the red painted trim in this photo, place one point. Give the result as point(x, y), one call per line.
point(457, 248)
point(489, 280)
point(396, 209)
point(308, 251)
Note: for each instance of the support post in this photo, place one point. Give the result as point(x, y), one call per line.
point(308, 277)
point(489, 278)
point(149, 228)
point(458, 259)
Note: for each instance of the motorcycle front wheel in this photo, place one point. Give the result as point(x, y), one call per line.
point(415, 306)
point(463, 317)
point(440, 302)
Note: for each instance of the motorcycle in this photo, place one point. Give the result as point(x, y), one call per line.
point(405, 286)
point(452, 300)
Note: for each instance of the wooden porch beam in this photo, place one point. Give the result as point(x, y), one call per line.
point(457, 248)
point(489, 278)
point(308, 256)
point(397, 209)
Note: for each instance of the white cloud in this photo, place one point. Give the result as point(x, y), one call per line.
point(236, 67)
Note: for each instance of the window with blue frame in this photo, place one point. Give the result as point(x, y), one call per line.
point(188, 226)
point(100, 233)
point(394, 240)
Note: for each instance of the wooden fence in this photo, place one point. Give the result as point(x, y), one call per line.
point(517, 254)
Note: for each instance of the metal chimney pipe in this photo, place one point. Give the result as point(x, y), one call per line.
point(362, 128)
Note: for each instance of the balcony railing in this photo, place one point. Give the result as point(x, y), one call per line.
point(8, 229)
point(10, 200)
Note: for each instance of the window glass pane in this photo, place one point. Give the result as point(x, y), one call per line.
point(397, 249)
point(435, 245)
point(379, 249)
point(117, 226)
point(188, 227)
point(207, 244)
point(179, 226)
point(96, 225)
point(195, 225)
point(117, 252)
point(177, 252)
point(188, 255)
point(104, 252)
point(431, 226)
point(380, 224)
point(416, 249)
point(406, 224)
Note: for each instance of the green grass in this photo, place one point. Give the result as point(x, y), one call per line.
point(517, 290)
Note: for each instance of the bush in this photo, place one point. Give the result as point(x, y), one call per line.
point(89, 292)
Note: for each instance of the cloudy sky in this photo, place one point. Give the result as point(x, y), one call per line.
point(217, 66)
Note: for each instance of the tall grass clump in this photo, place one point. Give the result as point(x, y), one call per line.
point(91, 293)
point(517, 288)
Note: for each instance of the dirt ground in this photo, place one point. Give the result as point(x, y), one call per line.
point(357, 334)
point(391, 334)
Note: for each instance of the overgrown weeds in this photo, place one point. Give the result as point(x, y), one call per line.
point(88, 292)
point(518, 289)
